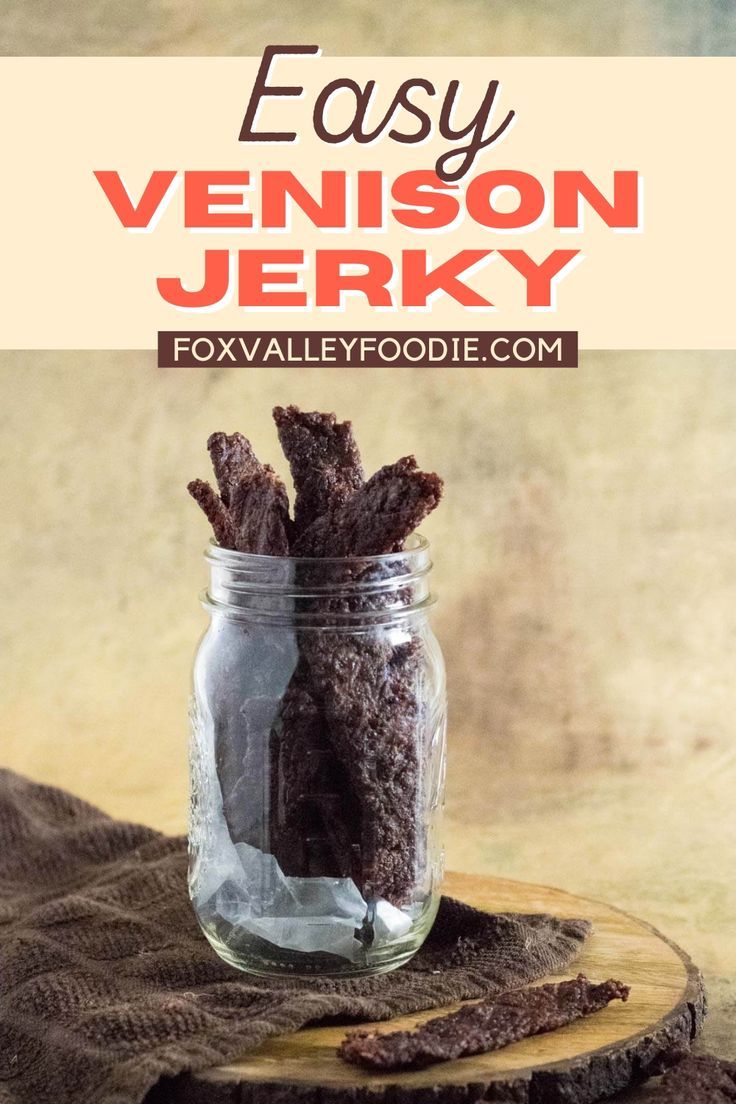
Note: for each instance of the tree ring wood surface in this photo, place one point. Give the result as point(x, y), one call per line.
point(579, 1064)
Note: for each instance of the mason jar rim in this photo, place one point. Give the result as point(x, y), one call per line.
point(214, 553)
point(300, 589)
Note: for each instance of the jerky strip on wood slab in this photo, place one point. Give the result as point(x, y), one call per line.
point(259, 510)
point(378, 518)
point(702, 1079)
point(324, 461)
point(479, 1028)
point(233, 460)
point(216, 511)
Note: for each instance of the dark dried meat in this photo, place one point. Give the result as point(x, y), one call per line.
point(368, 688)
point(343, 747)
point(699, 1079)
point(233, 460)
point(324, 461)
point(215, 510)
point(378, 517)
point(314, 816)
point(260, 514)
point(251, 513)
point(479, 1028)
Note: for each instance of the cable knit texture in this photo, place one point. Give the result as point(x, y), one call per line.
point(107, 984)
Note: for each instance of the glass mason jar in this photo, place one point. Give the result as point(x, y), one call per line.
point(317, 762)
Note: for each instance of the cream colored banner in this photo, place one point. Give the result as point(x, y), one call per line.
point(73, 277)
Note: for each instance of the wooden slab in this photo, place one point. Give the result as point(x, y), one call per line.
point(579, 1064)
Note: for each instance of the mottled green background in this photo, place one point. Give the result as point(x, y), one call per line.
point(483, 27)
point(585, 553)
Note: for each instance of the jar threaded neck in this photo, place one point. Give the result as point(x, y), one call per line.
point(321, 591)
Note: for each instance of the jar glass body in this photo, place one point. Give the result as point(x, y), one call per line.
point(317, 763)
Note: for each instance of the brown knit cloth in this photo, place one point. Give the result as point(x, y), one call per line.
point(107, 984)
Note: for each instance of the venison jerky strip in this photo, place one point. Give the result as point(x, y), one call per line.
point(378, 517)
point(324, 461)
point(251, 513)
point(698, 1080)
point(367, 710)
point(259, 510)
point(314, 818)
point(216, 511)
point(368, 691)
point(233, 460)
point(479, 1028)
